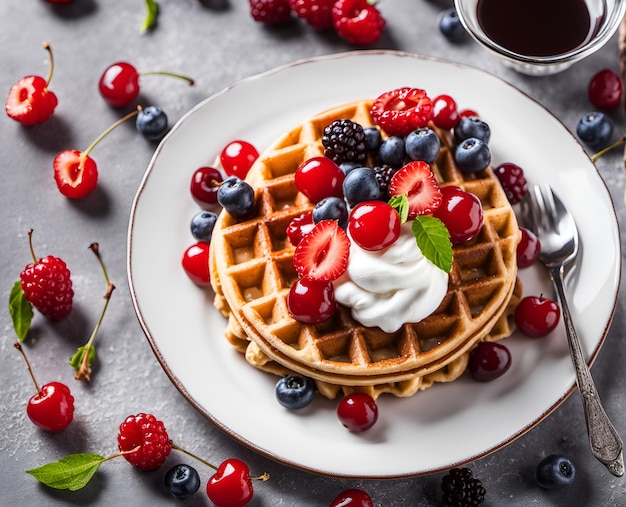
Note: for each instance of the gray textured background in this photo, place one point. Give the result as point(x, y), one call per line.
point(217, 45)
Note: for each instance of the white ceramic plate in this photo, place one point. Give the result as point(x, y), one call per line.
point(443, 426)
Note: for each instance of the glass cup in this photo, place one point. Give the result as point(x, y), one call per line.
point(608, 15)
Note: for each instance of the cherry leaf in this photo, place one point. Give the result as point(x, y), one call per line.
point(401, 204)
point(77, 359)
point(433, 239)
point(152, 12)
point(72, 472)
point(21, 311)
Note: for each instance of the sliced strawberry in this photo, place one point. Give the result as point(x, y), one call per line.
point(418, 183)
point(76, 175)
point(323, 253)
point(399, 112)
point(300, 227)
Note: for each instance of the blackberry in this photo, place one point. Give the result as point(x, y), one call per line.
point(344, 141)
point(460, 489)
point(384, 174)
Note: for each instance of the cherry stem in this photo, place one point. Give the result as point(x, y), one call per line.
point(184, 451)
point(85, 153)
point(170, 74)
point(30, 245)
point(84, 371)
point(603, 151)
point(30, 370)
point(47, 47)
point(122, 453)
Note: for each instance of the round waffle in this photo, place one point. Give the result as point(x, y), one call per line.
point(252, 270)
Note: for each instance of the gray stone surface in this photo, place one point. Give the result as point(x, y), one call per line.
point(217, 43)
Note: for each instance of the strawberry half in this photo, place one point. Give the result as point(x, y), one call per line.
point(418, 183)
point(29, 101)
point(76, 175)
point(323, 253)
point(401, 111)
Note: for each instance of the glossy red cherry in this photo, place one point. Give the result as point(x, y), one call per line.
point(605, 89)
point(196, 263)
point(231, 485)
point(352, 498)
point(488, 361)
point(537, 316)
point(300, 227)
point(319, 177)
point(310, 301)
point(527, 249)
point(461, 212)
point(357, 412)
point(237, 158)
point(466, 113)
point(52, 407)
point(30, 101)
point(446, 115)
point(205, 182)
point(75, 172)
point(374, 225)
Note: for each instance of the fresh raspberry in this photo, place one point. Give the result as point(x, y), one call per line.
point(148, 436)
point(513, 181)
point(270, 12)
point(317, 13)
point(47, 286)
point(358, 21)
point(399, 112)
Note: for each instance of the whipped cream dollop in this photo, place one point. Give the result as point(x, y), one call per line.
point(390, 287)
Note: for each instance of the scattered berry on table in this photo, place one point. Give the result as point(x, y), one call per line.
point(344, 141)
point(30, 101)
point(451, 27)
point(319, 177)
point(317, 13)
point(358, 21)
point(310, 301)
point(300, 227)
point(147, 438)
point(352, 498)
point(423, 144)
point(374, 225)
point(537, 316)
point(527, 249)
point(555, 472)
point(331, 208)
point(195, 262)
point(202, 225)
point(445, 112)
point(461, 489)
point(236, 196)
point(472, 155)
point(182, 481)
point(205, 183)
point(461, 212)
point(152, 123)
point(357, 412)
point(231, 485)
point(513, 181)
point(392, 151)
point(417, 181)
point(489, 361)
point(594, 129)
point(237, 158)
point(605, 90)
point(322, 254)
point(402, 110)
point(472, 126)
point(295, 391)
point(270, 12)
point(360, 185)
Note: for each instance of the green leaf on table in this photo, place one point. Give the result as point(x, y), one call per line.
point(433, 239)
point(72, 472)
point(77, 359)
point(21, 311)
point(152, 12)
point(401, 204)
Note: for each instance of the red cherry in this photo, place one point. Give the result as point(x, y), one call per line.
point(488, 361)
point(319, 177)
point(231, 485)
point(300, 227)
point(52, 407)
point(466, 113)
point(196, 263)
point(605, 89)
point(527, 249)
point(205, 182)
point(75, 172)
point(461, 212)
point(29, 101)
point(310, 301)
point(352, 498)
point(357, 412)
point(237, 158)
point(537, 316)
point(445, 112)
point(374, 225)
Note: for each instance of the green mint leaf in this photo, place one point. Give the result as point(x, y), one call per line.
point(72, 472)
point(77, 359)
point(433, 239)
point(152, 12)
point(21, 311)
point(401, 204)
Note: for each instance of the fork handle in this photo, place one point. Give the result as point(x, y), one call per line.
point(606, 444)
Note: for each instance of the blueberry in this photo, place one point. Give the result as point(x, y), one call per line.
point(472, 155)
point(294, 391)
point(331, 208)
point(151, 123)
point(391, 151)
point(202, 225)
point(472, 126)
point(182, 481)
point(450, 26)
point(423, 144)
point(361, 185)
point(555, 472)
point(373, 138)
point(594, 129)
point(236, 197)
point(346, 167)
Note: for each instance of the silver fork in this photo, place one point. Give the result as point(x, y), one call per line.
point(545, 214)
